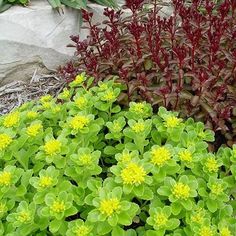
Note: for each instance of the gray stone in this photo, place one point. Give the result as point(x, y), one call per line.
point(35, 37)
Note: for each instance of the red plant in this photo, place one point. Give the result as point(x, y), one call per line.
point(186, 62)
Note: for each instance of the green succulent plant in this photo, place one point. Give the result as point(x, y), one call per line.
point(82, 165)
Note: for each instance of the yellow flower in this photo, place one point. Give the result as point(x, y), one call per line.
point(31, 114)
point(133, 174)
point(46, 105)
point(160, 155)
point(52, 147)
point(58, 206)
point(82, 231)
point(206, 231)
point(46, 98)
point(79, 122)
point(172, 122)
point(24, 217)
point(34, 129)
point(81, 102)
point(225, 232)
point(138, 108)
point(161, 219)
point(109, 206)
point(79, 79)
point(5, 141)
point(5, 178)
point(138, 127)
point(45, 181)
point(3, 208)
point(109, 96)
point(217, 189)
point(125, 158)
point(86, 159)
point(198, 216)
point(56, 109)
point(11, 119)
point(211, 164)
point(117, 127)
point(181, 191)
point(65, 94)
point(185, 155)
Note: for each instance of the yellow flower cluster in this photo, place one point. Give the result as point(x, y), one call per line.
point(46, 105)
point(109, 96)
point(81, 102)
point(5, 141)
point(45, 98)
point(172, 122)
point(79, 122)
point(138, 127)
point(117, 127)
point(52, 147)
point(65, 94)
point(133, 174)
point(225, 232)
point(58, 206)
point(109, 206)
point(125, 158)
point(86, 159)
point(161, 219)
point(78, 79)
point(185, 155)
point(160, 155)
point(138, 108)
point(45, 181)
point(24, 217)
point(34, 129)
point(206, 231)
point(5, 178)
point(217, 189)
point(198, 216)
point(56, 109)
point(181, 191)
point(11, 119)
point(31, 114)
point(82, 231)
point(211, 164)
point(3, 208)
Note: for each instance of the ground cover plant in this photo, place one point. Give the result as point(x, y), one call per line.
point(82, 165)
point(186, 62)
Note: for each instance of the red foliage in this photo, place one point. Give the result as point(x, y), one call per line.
point(186, 62)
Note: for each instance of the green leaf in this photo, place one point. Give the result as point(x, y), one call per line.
point(21, 191)
point(103, 228)
point(164, 191)
point(117, 231)
point(54, 226)
point(77, 4)
point(173, 224)
point(176, 208)
point(124, 219)
point(187, 204)
point(112, 220)
point(211, 205)
point(148, 194)
point(139, 190)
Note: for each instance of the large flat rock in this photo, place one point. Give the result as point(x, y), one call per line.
point(35, 37)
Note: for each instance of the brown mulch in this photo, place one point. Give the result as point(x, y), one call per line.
point(16, 93)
